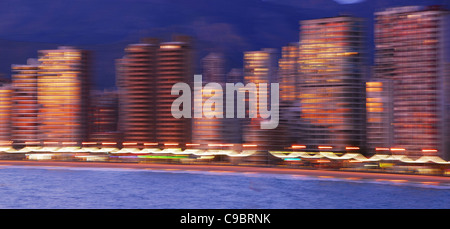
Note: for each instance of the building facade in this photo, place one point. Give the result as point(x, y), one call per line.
point(145, 76)
point(6, 105)
point(213, 132)
point(379, 116)
point(104, 117)
point(289, 79)
point(25, 124)
point(332, 84)
point(175, 61)
point(63, 94)
point(260, 67)
point(412, 51)
point(136, 81)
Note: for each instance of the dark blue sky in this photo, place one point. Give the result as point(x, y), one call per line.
point(107, 26)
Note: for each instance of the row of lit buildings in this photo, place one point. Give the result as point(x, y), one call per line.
point(331, 99)
point(47, 98)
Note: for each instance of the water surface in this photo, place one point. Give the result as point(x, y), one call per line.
point(105, 188)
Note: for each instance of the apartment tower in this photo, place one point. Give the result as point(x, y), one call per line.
point(412, 51)
point(332, 84)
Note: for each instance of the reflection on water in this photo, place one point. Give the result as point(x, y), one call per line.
point(64, 187)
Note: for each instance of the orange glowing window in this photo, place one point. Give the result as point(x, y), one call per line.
point(374, 84)
point(375, 109)
point(171, 144)
point(374, 104)
point(192, 144)
point(249, 145)
point(150, 144)
point(429, 150)
point(398, 149)
point(374, 89)
point(373, 99)
point(170, 46)
point(374, 120)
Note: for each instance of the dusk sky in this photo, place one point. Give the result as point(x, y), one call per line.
point(107, 26)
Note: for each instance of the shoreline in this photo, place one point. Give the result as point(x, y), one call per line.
point(319, 173)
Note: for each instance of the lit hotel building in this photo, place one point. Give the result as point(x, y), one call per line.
point(234, 125)
point(210, 131)
point(25, 125)
point(174, 65)
point(145, 76)
point(103, 116)
point(260, 67)
point(136, 80)
point(5, 111)
point(288, 72)
point(288, 77)
point(213, 68)
point(379, 116)
point(234, 75)
point(412, 51)
point(332, 84)
point(63, 94)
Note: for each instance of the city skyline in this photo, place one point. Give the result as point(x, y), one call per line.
point(332, 70)
point(216, 104)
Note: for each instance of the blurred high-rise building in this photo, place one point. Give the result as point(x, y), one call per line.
point(6, 92)
point(209, 130)
point(25, 124)
point(379, 116)
point(411, 45)
point(288, 78)
point(288, 72)
point(103, 116)
point(234, 125)
point(63, 94)
point(332, 85)
point(145, 76)
point(260, 67)
point(213, 66)
point(235, 75)
point(136, 81)
point(175, 64)
point(212, 131)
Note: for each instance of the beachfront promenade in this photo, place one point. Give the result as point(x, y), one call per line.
point(296, 172)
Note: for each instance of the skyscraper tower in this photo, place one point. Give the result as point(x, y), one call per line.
point(103, 116)
point(25, 123)
point(234, 125)
point(213, 66)
point(5, 111)
point(234, 75)
point(136, 81)
point(332, 87)
point(63, 94)
point(174, 65)
point(210, 130)
point(379, 116)
point(260, 67)
point(412, 51)
point(289, 78)
point(288, 72)
point(145, 76)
